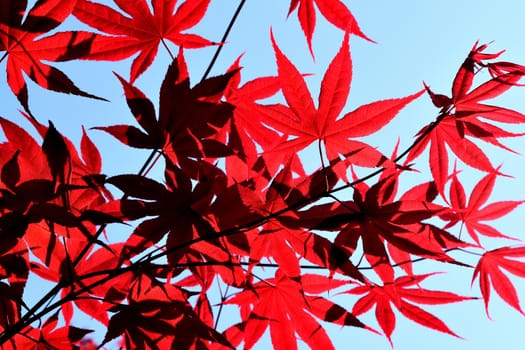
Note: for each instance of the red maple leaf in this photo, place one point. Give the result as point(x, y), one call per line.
point(178, 210)
point(246, 128)
point(376, 218)
point(82, 172)
point(34, 183)
point(474, 213)
point(244, 97)
point(50, 336)
point(141, 31)
point(30, 199)
point(309, 124)
point(57, 266)
point(333, 10)
point(490, 271)
point(283, 191)
point(26, 47)
point(399, 294)
point(159, 316)
point(284, 305)
point(188, 117)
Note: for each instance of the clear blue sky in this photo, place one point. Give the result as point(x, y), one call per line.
point(416, 41)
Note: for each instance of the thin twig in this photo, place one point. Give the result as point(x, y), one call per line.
point(167, 49)
point(223, 40)
point(223, 298)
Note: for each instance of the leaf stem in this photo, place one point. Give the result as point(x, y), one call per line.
point(168, 49)
point(146, 171)
point(258, 264)
point(320, 150)
point(3, 57)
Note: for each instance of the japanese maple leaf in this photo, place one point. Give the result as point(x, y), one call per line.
point(31, 160)
point(82, 172)
point(188, 117)
point(140, 30)
point(177, 210)
point(159, 317)
point(460, 116)
point(242, 204)
point(333, 10)
point(402, 293)
point(475, 212)
point(53, 262)
point(30, 195)
point(284, 305)
point(490, 270)
point(246, 129)
point(244, 97)
point(309, 124)
point(50, 336)
point(283, 191)
point(87, 163)
point(26, 46)
point(428, 234)
point(375, 218)
point(239, 205)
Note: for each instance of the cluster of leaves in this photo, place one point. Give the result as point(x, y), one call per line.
point(235, 195)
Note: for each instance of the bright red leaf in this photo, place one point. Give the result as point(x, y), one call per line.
point(333, 10)
point(473, 213)
point(490, 272)
point(158, 317)
point(309, 124)
point(403, 293)
point(27, 46)
point(283, 305)
point(140, 30)
point(50, 336)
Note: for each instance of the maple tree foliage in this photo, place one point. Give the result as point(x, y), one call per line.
point(236, 216)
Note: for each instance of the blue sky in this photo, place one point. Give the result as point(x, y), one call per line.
point(416, 41)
